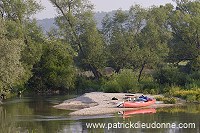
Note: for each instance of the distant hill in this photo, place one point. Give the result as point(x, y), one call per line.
point(48, 23)
point(98, 16)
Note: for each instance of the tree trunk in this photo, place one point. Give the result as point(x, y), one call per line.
point(117, 70)
point(94, 70)
point(1, 100)
point(141, 70)
point(96, 73)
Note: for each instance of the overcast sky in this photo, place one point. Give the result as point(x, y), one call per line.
point(102, 5)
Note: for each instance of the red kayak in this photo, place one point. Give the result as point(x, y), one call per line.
point(138, 104)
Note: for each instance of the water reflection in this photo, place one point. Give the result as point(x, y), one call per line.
point(190, 108)
point(31, 115)
point(129, 113)
point(36, 115)
point(5, 121)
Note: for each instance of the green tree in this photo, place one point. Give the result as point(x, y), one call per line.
point(137, 38)
point(32, 52)
point(11, 69)
point(154, 37)
point(18, 10)
point(55, 70)
point(120, 41)
point(184, 23)
point(78, 28)
point(19, 25)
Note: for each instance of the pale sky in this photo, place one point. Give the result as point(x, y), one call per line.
point(101, 5)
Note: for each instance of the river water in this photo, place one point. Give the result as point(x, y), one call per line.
point(36, 115)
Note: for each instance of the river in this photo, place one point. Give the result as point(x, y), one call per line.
point(36, 115)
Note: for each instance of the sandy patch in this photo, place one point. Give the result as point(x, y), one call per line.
point(99, 103)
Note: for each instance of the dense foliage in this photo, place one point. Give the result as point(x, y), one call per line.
point(150, 50)
point(54, 71)
point(11, 69)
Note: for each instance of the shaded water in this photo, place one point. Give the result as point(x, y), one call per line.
point(36, 115)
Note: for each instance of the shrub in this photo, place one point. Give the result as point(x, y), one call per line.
point(198, 98)
point(124, 81)
point(159, 98)
point(195, 75)
point(151, 91)
point(171, 76)
point(166, 100)
point(194, 65)
point(192, 85)
point(150, 87)
point(194, 80)
point(154, 91)
point(145, 91)
point(111, 86)
point(191, 98)
point(192, 95)
point(169, 100)
point(185, 93)
point(127, 80)
point(86, 85)
point(173, 90)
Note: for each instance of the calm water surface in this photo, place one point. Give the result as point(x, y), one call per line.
point(36, 115)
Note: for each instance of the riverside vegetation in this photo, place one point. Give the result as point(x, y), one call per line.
point(152, 50)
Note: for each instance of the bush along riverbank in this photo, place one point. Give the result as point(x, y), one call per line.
point(192, 95)
point(169, 82)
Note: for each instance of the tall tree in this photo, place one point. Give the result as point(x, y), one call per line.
point(120, 40)
point(19, 25)
point(184, 23)
point(138, 38)
point(55, 70)
point(11, 69)
point(77, 26)
point(18, 10)
point(154, 37)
